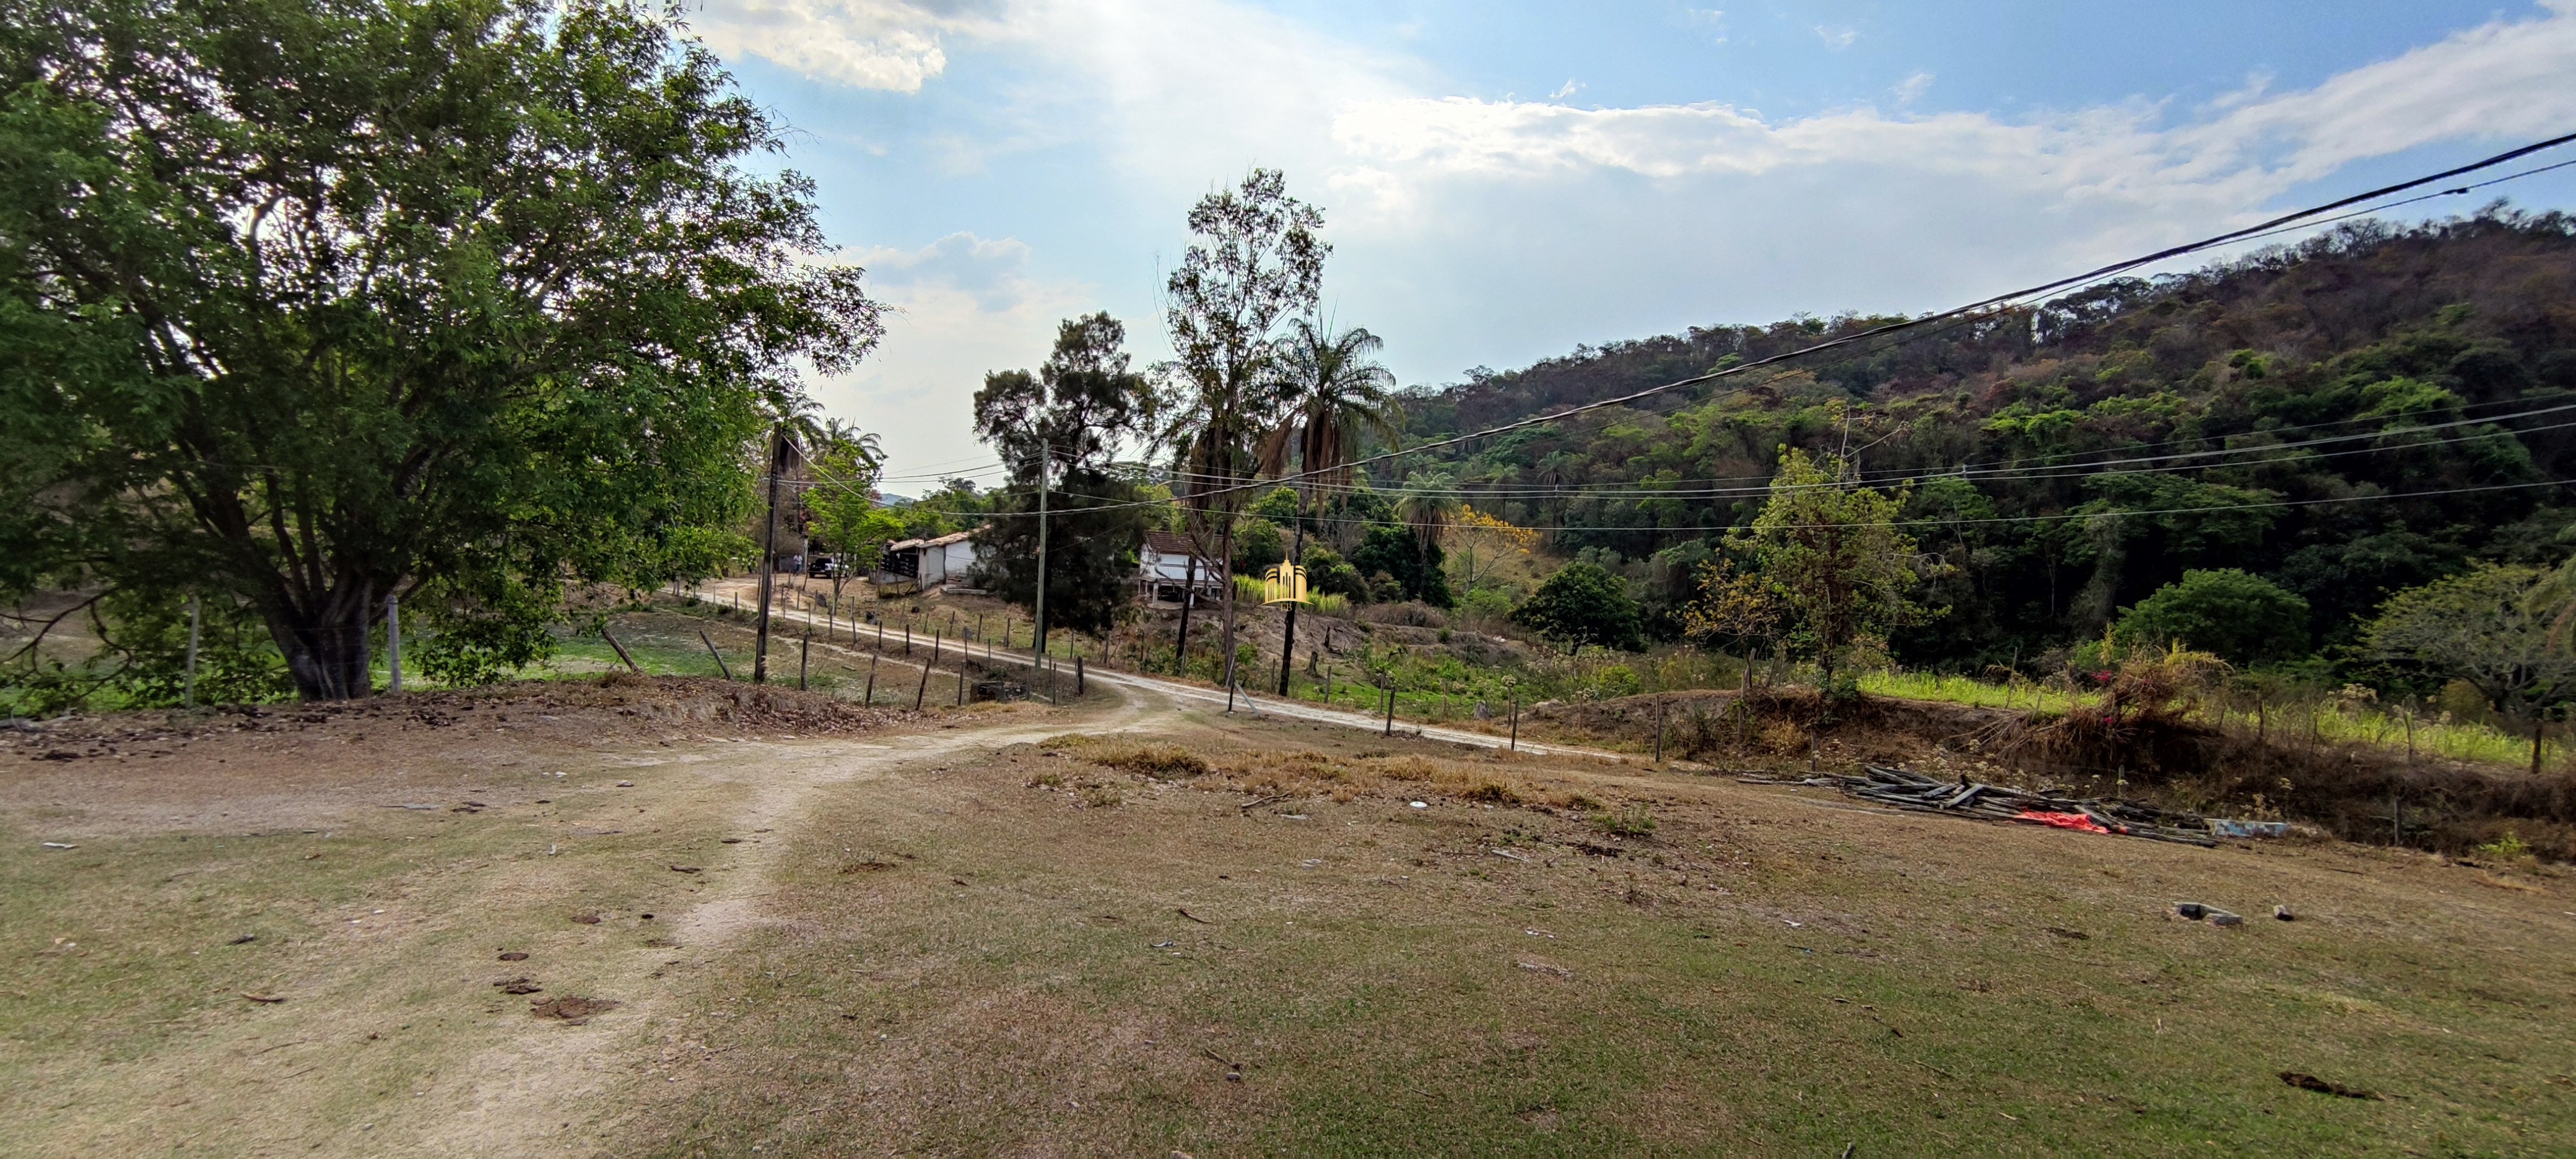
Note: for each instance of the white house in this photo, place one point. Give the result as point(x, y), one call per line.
point(1163, 570)
point(930, 563)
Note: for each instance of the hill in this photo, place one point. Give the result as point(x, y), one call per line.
point(2365, 411)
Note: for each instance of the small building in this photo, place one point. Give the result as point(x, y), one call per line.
point(924, 564)
point(1164, 571)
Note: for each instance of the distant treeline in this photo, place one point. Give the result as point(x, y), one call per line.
point(2366, 411)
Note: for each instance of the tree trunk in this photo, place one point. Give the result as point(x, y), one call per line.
point(326, 649)
point(1189, 598)
point(2538, 726)
point(1226, 548)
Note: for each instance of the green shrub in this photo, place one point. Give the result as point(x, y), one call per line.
point(1616, 681)
point(2244, 618)
point(2509, 847)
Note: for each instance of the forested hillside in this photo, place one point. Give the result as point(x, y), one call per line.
point(2363, 412)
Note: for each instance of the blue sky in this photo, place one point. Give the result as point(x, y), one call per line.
point(1503, 181)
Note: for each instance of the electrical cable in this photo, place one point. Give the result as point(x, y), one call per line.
point(1956, 316)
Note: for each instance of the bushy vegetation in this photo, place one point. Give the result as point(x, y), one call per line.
point(2411, 351)
point(2250, 460)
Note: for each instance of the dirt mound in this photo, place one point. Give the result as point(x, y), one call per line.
point(683, 702)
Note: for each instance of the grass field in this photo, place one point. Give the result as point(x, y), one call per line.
point(950, 939)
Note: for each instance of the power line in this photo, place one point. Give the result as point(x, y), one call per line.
point(1945, 319)
point(2035, 473)
point(1945, 522)
point(1971, 309)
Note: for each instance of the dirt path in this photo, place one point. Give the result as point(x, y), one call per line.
point(553, 1087)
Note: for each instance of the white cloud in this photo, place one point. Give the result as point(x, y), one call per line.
point(962, 305)
point(2498, 80)
point(874, 44)
point(2503, 80)
point(1496, 231)
point(1569, 88)
point(1837, 39)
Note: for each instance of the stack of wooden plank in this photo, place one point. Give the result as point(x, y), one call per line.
point(1906, 789)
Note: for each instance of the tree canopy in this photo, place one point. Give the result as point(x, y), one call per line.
point(2241, 618)
point(2480, 627)
point(1070, 416)
point(1583, 604)
point(2357, 414)
point(310, 303)
point(1830, 551)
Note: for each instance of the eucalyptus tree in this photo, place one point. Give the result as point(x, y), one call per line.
point(312, 302)
point(1335, 395)
point(1256, 264)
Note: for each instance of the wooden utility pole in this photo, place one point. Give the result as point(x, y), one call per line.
point(1288, 631)
point(1045, 451)
point(769, 557)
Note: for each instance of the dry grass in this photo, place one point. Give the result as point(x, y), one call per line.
point(978, 952)
point(2146, 741)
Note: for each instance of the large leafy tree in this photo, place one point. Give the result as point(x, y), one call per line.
point(1256, 264)
point(2491, 627)
point(1583, 604)
point(1071, 416)
point(311, 302)
point(1830, 550)
point(2245, 619)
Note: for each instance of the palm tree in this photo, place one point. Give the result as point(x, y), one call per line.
point(1335, 395)
point(1428, 505)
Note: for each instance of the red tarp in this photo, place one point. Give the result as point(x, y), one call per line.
point(2064, 821)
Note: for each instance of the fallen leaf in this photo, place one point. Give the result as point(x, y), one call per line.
point(515, 956)
point(695, 869)
point(264, 999)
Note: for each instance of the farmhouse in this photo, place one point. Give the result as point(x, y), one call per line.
point(1165, 569)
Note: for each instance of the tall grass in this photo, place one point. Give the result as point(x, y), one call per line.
point(2325, 719)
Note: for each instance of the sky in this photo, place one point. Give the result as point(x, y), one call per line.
point(1502, 181)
